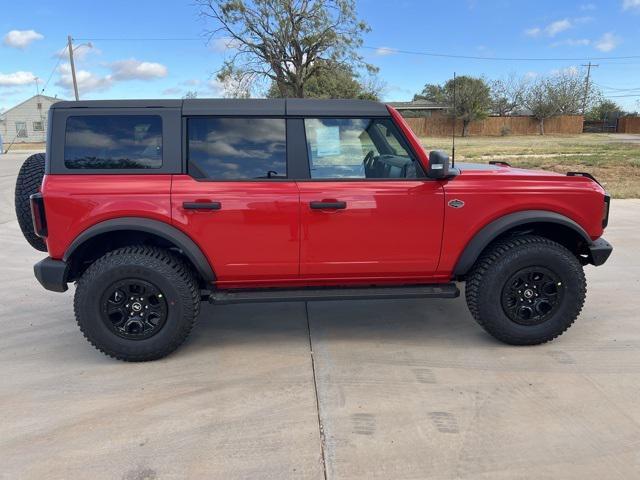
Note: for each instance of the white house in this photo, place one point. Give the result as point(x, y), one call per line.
point(27, 121)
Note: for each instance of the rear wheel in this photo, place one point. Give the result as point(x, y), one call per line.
point(28, 182)
point(526, 290)
point(137, 303)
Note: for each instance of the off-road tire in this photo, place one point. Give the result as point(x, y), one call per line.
point(28, 182)
point(160, 267)
point(495, 266)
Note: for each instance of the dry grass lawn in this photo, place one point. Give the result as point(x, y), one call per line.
point(614, 159)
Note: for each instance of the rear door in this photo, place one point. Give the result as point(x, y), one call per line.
point(237, 201)
point(367, 212)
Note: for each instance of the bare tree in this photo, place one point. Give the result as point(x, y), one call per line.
point(507, 95)
point(561, 93)
point(283, 40)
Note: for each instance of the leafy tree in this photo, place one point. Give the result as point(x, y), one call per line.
point(473, 99)
point(287, 42)
point(333, 81)
point(539, 100)
point(604, 110)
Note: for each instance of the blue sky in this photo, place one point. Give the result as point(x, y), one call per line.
point(34, 34)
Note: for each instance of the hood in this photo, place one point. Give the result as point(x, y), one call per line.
point(500, 169)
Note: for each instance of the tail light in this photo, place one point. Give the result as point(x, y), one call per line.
point(605, 212)
point(37, 214)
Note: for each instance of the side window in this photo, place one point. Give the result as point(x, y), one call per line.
point(357, 148)
point(221, 148)
point(113, 142)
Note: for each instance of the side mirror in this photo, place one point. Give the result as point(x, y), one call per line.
point(438, 164)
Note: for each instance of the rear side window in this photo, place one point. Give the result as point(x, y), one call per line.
point(113, 142)
point(237, 148)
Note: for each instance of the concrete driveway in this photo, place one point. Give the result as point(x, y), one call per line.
point(337, 390)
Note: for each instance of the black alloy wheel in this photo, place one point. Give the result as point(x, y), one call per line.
point(134, 309)
point(532, 295)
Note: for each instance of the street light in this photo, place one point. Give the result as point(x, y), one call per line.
point(71, 49)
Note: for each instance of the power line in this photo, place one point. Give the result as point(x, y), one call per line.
point(385, 49)
point(60, 55)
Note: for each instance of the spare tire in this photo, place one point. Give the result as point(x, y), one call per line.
point(28, 183)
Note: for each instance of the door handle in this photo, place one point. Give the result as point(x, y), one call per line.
point(202, 205)
point(328, 205)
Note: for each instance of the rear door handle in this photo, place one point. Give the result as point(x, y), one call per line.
point(202, 205)
point(328, 205)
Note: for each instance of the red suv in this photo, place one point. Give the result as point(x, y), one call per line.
point(151, 206)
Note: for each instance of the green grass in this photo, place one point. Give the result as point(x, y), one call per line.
point(613, 161)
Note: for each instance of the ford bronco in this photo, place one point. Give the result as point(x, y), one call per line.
point(152, 206)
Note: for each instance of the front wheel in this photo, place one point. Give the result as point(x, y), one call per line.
point(137, 303)
point(526, 290)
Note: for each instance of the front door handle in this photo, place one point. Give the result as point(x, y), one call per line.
point(328, 205)
point(202, 205)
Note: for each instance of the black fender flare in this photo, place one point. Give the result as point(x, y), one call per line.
point(168, 232)
point(496, 228)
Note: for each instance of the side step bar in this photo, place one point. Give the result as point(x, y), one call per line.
point(225, 297)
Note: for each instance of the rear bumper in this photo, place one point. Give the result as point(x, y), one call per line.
point(52, 274)
point(599, 251)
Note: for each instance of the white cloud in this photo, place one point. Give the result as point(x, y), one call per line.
point(80, 52)
point(558, 26)
point(631, 5)
point(554, 28)
point(385, 51)
point(21, 38)
point(607, 42)
point(533, 32)
point(573, 42)
point(172, 91)
point(87, 81)
point(222, 44)
point(133, 69)
point(587, 7)
point(16, 79)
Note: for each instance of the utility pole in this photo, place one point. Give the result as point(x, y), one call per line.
point(73, 67)
point(586, 86)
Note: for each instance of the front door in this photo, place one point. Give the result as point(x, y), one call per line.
point(367, 213)
point(236, 202)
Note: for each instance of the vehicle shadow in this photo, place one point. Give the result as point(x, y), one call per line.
point(409, 322)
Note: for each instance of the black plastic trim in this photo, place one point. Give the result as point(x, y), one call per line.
point(297, 154)
point(599, 251)
point(491, 231)
point(223, 297)
point(36, 201)
point(163, 230)
point(52, 274)
point(607, 206)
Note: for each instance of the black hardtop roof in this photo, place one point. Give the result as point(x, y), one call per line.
point(246, 107)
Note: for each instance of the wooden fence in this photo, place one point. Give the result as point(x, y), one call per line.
point(629, 125)
point(496, 126)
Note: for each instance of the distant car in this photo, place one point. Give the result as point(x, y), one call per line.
point(151, 206)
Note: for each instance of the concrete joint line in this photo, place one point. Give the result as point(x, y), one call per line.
point(315, 389)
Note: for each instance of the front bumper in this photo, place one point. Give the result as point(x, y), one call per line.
point(52, 274)
point(599, 251)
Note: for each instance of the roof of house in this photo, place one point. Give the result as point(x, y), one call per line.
point(418, 105)
point(255, 107)
point(53, 99)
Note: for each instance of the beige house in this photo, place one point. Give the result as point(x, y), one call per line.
point(27, 121)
